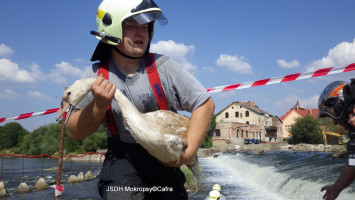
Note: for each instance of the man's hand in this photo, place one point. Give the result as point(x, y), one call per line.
point(103, 92)
point(331, 192)
point(352, 120)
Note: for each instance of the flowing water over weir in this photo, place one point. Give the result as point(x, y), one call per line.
point(272, 175)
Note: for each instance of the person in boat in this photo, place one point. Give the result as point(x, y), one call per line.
point(125, 30)
point(215, 193)
point(338, 102)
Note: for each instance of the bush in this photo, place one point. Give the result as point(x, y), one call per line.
point(207, 142)
point(306, 130)
point(89, 145)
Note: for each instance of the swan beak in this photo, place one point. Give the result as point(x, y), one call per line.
point(64, 107)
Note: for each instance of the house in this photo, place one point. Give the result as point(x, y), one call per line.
point(243, 120)
point(290, 118)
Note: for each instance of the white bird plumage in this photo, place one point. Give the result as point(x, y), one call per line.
point(162, 133)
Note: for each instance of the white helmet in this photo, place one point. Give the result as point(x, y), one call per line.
point(214, 194)
point(111, 14)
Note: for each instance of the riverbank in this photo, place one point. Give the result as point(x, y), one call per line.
point(337, 150)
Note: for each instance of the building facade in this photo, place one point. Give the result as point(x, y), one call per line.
point(244, 120)
point(290, 118)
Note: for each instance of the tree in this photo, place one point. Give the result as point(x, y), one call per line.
point(50, 145)
point(89, 145)
point(329, 125)
point(11, 135)
point(72, 146)
point(207, 141)
point(306, 130)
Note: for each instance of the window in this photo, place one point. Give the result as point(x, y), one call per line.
point(246, 113)
point(227, 115)
point(236, 114)
point(246, 132)
point(218, 132)
point(247, 122)
point(241, 115)
point(242, 134)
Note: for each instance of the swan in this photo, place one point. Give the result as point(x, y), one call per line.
point(162, 133)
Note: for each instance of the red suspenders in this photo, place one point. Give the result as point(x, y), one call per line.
point(104, 70)
point(154, 82)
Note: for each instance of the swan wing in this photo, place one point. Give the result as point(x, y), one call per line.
point(168, 122)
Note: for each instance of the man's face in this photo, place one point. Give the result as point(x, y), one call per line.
point(135, 39)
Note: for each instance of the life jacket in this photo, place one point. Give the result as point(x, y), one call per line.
point(155, 83)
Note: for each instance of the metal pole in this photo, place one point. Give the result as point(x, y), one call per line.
point(2, 164)
point(42, 165)
point(60, 158)
point(23, 171)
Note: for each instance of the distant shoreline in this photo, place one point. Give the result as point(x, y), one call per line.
point(92, 157)
point(337, 150)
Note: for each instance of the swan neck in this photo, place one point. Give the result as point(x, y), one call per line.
point(124, 103)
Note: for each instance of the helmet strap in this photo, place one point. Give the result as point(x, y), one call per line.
point(125, 55)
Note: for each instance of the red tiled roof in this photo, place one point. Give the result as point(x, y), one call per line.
point(301, 111)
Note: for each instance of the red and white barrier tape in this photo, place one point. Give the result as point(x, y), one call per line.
point(268, 81)
point(28, 115)
point(291, 77)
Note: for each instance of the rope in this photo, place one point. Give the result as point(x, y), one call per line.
point(42, 155)
point(237, 86)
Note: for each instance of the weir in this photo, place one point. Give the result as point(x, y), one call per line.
point(273, 175)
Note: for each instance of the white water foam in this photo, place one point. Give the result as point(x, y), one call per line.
point(278, 185)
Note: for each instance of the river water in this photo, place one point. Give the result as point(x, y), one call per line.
point(272, 175)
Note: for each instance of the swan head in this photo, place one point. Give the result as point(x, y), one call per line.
point(73, 95)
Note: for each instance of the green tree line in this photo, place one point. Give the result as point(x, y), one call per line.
point(45, 140)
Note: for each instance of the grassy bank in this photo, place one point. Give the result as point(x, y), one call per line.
point(191, 183)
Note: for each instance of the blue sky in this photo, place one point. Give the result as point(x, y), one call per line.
point(45, 46)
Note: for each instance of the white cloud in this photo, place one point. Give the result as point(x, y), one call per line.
point(11, 72)
point(62, 72)
point(311, 102)
point(341, 55)
point(290, 100)
point(234, 63)
point(8, 94)
point(5, 51)
point(292, 64)
point(37, 73)
point(37, 94)
point(177, 51)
